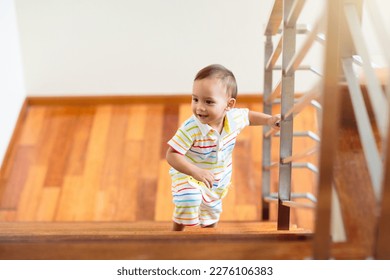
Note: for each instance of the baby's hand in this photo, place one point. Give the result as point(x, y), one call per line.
point(204, 176)
point(274, 121)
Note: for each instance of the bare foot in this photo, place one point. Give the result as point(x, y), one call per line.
point(211, 226)
point(178, 227)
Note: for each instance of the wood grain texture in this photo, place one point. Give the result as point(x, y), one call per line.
point(111, 175)
point(155, 241)
point(105, 162)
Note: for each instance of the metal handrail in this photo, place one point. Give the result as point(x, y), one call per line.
point(371, 153)
point(290, 63)
point(298, 57)
point(305, 100)
point(302, 154)
point(275, 18)
point(376, 95)
point(344, 45)
point(275, 55)
point(295, 11)
point(275, 93)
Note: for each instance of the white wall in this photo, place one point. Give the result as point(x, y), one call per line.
point(376, 52)
point(91, 47)
point(137, 46)
point(12, 93)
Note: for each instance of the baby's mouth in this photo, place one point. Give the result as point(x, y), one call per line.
point(201, 116)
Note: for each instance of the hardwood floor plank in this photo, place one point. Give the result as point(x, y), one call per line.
point(171, 118)
point(146, 199)
point(127, 203)
point(95, 156)
point(256, 175)
point(247, 212)
point(243, 172)
point(48, 204)
point(13, 187)
point(110, 184)
point(80, 136)
point(149, 164)
point(61, 147)
point(152, 142)
point(69, 199)
point(48, 135)
point(7, 215)
point(32, 126)
point(230, 201)
point(164, 205)
point(105, 204)
point(112, 167)
point(30, 197)
point(138, 121)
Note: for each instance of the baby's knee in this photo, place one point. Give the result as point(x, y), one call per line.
point(187, 205)
point(187, 199)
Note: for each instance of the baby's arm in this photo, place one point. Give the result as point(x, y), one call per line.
point(178, 162)
point(258, 118)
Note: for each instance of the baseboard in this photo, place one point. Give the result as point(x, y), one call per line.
point(125, 99)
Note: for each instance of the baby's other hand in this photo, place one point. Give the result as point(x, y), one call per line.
point(274, 121)
point(204, 176)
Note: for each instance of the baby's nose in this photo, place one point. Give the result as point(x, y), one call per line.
point(201, 107)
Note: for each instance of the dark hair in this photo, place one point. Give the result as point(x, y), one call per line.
point(220, 72)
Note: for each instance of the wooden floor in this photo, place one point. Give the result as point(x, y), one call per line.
point(150, 241)
point(155, 241)
point(90, 181)
point(106, 163)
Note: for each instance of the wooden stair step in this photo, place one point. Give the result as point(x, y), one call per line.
point(73, 231)
point(150, 240)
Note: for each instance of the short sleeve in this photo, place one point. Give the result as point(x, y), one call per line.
point(182, 141)
point(240, 117)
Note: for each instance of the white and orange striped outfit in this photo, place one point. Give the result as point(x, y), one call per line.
point(204, 147)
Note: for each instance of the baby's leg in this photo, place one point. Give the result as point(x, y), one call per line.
point(178, 227)
point(210, 211)
point(187, 200)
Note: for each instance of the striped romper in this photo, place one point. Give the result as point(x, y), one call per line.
point(203, 146)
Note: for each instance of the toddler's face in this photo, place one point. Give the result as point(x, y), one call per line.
point(210, 102)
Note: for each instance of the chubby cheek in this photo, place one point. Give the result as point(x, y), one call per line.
point(193, 107)
point(216, 112)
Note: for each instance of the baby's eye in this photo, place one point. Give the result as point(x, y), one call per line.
point(209, 102)
point(195, 99)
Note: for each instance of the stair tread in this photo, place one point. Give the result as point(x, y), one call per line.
point(33, 231)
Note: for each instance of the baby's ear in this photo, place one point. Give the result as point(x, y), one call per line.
point(231, 104)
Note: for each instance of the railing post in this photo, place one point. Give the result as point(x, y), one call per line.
point(286, 132)
point(267, 141)
point(271, 29)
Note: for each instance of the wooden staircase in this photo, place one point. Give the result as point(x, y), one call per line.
point(231, 240)
point(156, 241)
point(151, 240)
